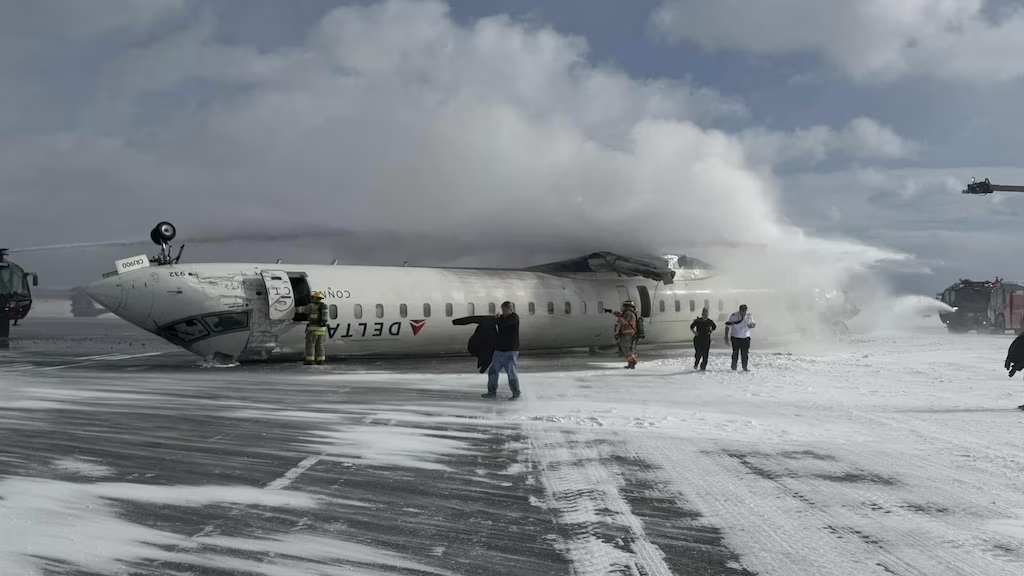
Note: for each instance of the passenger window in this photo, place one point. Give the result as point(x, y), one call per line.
point(721, 305)
point(532, 308)
point(426, 310)
point(333, 311)
point(403, 311)
point(568, 308)
point(707, 304)
point(380, 310)
point(679, 308)
point(357, 311)
point(491, 309)
point(584, 306)
point(600, 306)
point(471, 308)
point(551, 307)
point(661, 305)
point(448, 309)
point(693, 306)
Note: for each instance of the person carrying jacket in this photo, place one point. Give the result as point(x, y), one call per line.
point(506, 352)
point(702, 328)
point(316, 330)
point(495, 344)
point(626, 331)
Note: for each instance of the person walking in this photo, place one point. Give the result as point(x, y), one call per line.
point(1015, 358)
point(702, 328)
point(737, 333)
point(506, 352)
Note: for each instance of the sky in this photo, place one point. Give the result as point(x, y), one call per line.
point(478, 132)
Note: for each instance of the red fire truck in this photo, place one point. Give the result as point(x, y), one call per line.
point(1006, 306)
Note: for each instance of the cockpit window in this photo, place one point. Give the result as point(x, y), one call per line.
point(12, 280)
point(228, 322)
point(188, 330)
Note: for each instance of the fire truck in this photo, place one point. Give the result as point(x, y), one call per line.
point(969, 300)
point(15, 294)
point(1006, 306)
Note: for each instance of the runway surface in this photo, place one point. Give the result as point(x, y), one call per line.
point(122, 455)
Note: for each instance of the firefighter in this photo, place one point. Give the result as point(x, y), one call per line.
point(316, 330)
point(628, 330)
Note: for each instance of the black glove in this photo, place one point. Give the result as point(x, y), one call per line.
point(1007, 364)
point(607, 311)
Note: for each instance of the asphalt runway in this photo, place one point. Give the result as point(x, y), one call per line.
point(141, 460)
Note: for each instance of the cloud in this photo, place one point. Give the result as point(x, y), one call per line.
point(395, 119)
point(917, 211)
point(66, 24)
point(862, 138)
point(870, 40)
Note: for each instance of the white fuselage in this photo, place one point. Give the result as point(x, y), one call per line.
point(248, 311)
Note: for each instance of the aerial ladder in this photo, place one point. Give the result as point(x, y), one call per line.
point(986, 187)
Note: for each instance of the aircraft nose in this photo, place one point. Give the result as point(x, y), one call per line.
point(129, 296)
point(107, 293)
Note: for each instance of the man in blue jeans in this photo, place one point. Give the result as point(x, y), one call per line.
point(506, 352)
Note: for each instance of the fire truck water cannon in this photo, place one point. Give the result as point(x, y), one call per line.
point(987, 187)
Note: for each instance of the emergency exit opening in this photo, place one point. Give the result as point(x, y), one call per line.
point(645, 301)
point(303, 295)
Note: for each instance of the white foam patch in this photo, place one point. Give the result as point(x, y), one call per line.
point(83, 467)
point(1013, 527)
point(407, 447)
point(50, 525)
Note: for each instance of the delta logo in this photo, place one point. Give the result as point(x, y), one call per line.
point(417, 325)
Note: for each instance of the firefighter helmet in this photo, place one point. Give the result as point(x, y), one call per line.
point(318, 295)
point(628, 303)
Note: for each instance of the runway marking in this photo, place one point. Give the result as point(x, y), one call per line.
point(294, 473)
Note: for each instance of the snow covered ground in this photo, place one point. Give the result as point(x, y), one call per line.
point(895, 452)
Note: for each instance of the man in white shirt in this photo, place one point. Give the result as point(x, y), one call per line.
point(737, 332)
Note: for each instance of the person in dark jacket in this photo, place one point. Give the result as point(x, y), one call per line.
point(702, 328)
point(1015, 358)
point(506, 352)
point(495, 344)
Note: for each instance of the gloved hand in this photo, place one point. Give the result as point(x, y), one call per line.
point(607, 311)
point(1007, 364)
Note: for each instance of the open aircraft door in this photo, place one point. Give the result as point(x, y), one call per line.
point(645, 301)
point(279, 294)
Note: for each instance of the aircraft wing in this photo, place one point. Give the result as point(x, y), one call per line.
point(608, 262)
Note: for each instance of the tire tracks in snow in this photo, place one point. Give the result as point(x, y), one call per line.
point(614, 515)
point(803, 513)
point(583, 487)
